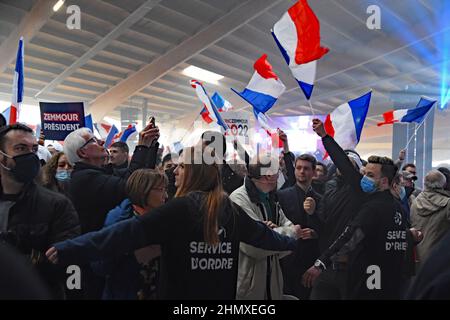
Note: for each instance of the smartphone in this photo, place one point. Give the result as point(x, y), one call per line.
point(152, 121)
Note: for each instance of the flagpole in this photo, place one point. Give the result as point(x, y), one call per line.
point(190, 128)
point(312, 109)
point(417, 129)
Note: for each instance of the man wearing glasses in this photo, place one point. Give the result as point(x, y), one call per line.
point(95, 190)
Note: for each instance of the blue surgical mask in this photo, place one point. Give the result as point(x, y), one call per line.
point(368, 185)
point(402, 194)
point(62, 175)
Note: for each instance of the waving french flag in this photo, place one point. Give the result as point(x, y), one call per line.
point(113, 131)
point(17, 94)
point(205, 115)
point(297, 35)
point(221, 104)
point(346, 122)
point(211, 111)
point(264, 87)
point(408, 115)
point(125, 134)
point(103, 129)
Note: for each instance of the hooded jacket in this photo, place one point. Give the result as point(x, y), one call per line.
point(256, 265)
point(430, 213)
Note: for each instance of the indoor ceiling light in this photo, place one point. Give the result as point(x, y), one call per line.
point(202, 74)
point(58, 5)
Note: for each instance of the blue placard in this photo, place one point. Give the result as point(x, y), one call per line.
point(58, 119)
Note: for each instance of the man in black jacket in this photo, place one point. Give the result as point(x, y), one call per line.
point(374, 243)
point(341, 201)
point(31, 217)
point(299, 203)
point(95, 190)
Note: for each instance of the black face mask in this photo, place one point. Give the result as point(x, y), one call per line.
point(27, 167)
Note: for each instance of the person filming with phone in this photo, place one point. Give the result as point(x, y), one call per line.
point(94, 190)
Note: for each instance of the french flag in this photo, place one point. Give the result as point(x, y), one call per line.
point(103, 129)
point(297, 35)
point(212, 112)
point(346, 122)
point(124, 135)
point(221, 104)
point(264, 87)
point(263, 121)
point(17, 94)
point(88, 123)
point(111, 135)
point(408, 115)
point(205, 115)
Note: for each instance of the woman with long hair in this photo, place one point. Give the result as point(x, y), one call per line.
point(55, 174)
point(199, 232)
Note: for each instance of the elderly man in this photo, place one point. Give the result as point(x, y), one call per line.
point(260, 276)
point(95, 190)
point(430, 213)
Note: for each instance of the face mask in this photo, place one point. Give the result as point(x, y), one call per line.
point(402, 193)
point(62, 175)
point(27, 167)
point(368, 185)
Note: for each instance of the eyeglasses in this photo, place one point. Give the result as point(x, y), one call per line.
point(93, 139)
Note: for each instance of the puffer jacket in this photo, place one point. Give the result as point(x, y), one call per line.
point(430, 213)
point(257, 265)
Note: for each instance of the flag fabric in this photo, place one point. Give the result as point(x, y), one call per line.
point(263, 121)
point(103, 129)
point(346, 122)
point(297, 35)
point(416, 114)
point(17, 93)
point(264, 87)
point(124, 135)
point(205, 115)
point(221, 104)
point(213, 113)
point(111, 135)
point(88, 122)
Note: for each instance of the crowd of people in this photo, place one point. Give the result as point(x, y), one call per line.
point(192, 225)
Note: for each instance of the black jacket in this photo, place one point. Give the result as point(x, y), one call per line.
point(39, 218)
point(190, 268)
point(294, 265)
point(342, 197)
point(289, 159)
point(377, 236)
point(230, 180)
point(95, 191)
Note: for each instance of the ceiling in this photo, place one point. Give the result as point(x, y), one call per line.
point(132, 52)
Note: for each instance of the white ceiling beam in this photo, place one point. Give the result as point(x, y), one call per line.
point(192, 46)
point(31, 23)
point(134, 17)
